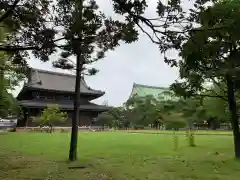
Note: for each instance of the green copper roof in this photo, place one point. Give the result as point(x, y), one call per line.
point(144, 90)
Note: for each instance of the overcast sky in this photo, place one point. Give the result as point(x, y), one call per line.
point(140, 62)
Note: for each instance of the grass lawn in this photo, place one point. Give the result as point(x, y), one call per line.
point(116, 156)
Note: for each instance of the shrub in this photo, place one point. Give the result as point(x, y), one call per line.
point(174, 124)
point(12, 130)
point(191, 139)
point(49, 116)
point(175, 141)
point(174, 121)
point(139, 127)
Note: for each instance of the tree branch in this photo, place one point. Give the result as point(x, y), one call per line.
point(8, 48)
point(148, 22)
point(212, 96)
point(9, 11)
point(59, 39)
point(18, 48)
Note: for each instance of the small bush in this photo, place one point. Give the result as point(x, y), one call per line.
point(138, 127)
point(175, 141)
point(171, 124)
point(49, 116)
point(191, 139)
point(174, 121)
point(12, 130)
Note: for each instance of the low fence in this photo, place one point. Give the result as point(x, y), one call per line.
point(61, 129)
point(90, 129)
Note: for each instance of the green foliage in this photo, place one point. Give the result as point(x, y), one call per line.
point(161, 27)
point(206, 104)
point(193, 110)
point(213, 56)
point(35, 26)
point(191, 138)
point(210, 55)
point(4, 104)
point(206, 54)
point(183, 112)
point(89, 32)
point(105, 119)
point(216, 108)
point(30, 30)
point(174, 120)
point(51, 115)
point(120, 115)
point(142, 110)
point(11, 74)
point(175, 141)
point(8, 104)
point(173, 114)
point(148, 110)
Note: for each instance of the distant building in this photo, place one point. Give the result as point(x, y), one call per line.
point(157, 92)
point(46, 88)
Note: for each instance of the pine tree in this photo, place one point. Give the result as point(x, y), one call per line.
point(88, 35)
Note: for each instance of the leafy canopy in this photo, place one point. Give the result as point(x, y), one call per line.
point(106, 119)
point(209, 55)
point(30, 22)
point(11, 74)
point(51, 115)
point(91, 36)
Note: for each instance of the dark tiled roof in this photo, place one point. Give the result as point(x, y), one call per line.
point(62, 105)
point(55, 81)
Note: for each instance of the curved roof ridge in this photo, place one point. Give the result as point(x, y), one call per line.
point(134, 84)
point(53, 72)
point(61, 74)
point(147, 86)
point(45, 79)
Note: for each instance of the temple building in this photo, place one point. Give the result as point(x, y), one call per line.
point(141, 90)
point(46, 88)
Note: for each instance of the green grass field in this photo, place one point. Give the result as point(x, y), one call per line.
point(116, 156)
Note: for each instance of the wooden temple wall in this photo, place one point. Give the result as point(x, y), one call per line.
point(84, 120)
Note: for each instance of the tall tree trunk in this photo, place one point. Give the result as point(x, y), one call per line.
point(2, 89)
point(75, 118)
point(79, 65)
point(234, 114)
